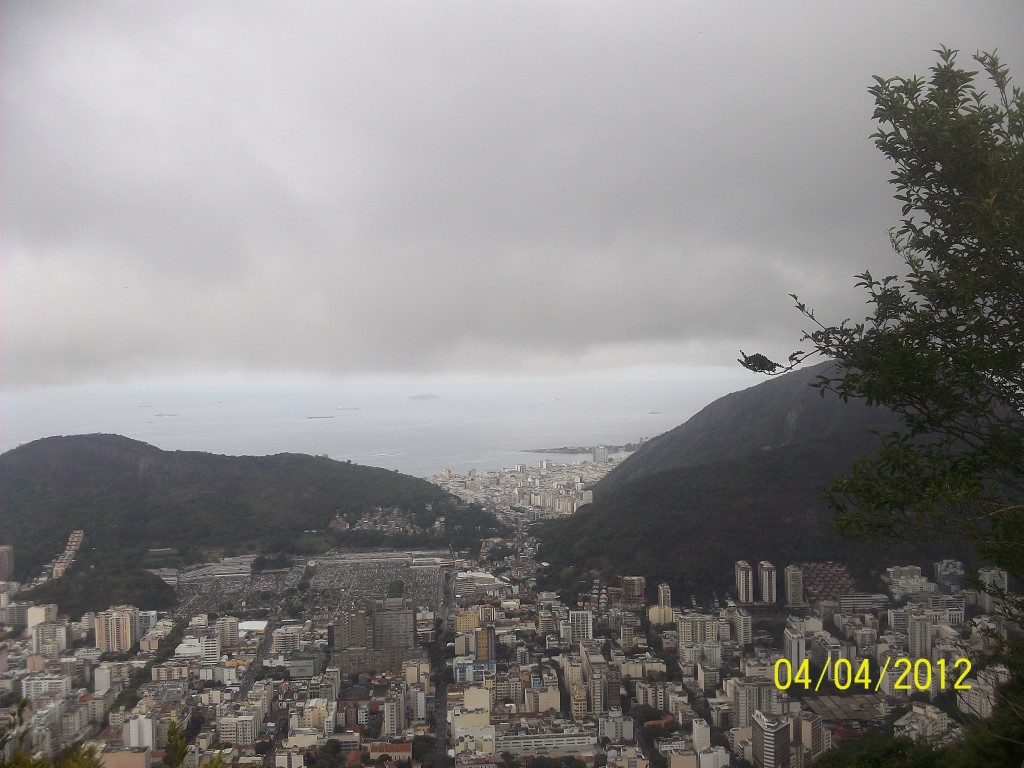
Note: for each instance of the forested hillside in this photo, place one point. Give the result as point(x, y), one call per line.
point(742, 479)
point(147, 506)
point(781, 412)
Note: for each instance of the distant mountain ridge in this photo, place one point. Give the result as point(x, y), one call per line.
point(778, 412)
point(742, 479)
point(130, 497)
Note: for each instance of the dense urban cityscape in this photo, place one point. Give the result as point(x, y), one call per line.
point(444, 657)
point(268, 266)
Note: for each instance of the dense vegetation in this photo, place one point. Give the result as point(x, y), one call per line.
point(742, 479)
point(781, 412)
point(687, 526)
point(142, 506)
point(942, 344)
point(95, 585)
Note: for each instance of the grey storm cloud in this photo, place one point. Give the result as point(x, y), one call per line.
point(374, 187)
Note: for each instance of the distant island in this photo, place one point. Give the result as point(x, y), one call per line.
point(628, 447)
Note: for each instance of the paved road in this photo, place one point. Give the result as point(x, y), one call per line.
point(445, 603)
point(257, 664)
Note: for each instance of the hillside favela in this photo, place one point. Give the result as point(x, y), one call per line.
point(373, 388)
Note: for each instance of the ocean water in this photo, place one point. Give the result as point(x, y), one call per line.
point(482, 423)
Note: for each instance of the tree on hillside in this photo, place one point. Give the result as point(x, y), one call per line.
point(943, 344)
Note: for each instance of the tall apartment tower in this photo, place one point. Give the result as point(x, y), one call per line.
point(662, 613)
point(486, 643)
point(701, 734)
point(794, 646)
point(394, 712)
point(744, 582)
point(6, 562)
point(808, 736)
point(769, 578)
point(581, 624)
point(227, 629)
point(771, 741)
point(697, 628)
point(211, 648)
point(117, 628)
point(664, 596)
point(750, 696)
point(600, 454)
point(740, 622)
point(919, 644)
point(794, 577)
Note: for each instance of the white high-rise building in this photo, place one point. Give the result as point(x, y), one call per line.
point(771, 741)
point(664, 595)
point(581, 626)
point(227, 629)
point(701, 734)
point(117, 628)
point(697, 628)
point(750, 695)
point(417, 704)
point(211, 649)
point(140, 731)
point(919, 629)
point(286, 639)
point(794, 647)
point(744, 582)
point(740, 623)
point(394, 712)
point(769, 578)
point(662, 613)
point(795, 586)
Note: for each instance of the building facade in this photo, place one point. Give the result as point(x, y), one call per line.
point(769, 581)
point(117, 628)
point(744, 582)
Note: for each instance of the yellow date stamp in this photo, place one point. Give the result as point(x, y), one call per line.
point(908, 674)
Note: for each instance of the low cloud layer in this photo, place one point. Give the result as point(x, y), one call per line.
point(504, 187)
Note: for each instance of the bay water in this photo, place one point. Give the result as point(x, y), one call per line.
point(417, 425)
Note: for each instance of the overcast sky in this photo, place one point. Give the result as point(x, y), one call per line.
point(219, 188)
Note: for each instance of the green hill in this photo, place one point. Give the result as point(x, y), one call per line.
point(95, 586)
point(146, 506)
point(742, 479)
point(780, 412)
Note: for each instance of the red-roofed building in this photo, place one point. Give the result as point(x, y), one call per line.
point(396, 750)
